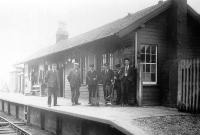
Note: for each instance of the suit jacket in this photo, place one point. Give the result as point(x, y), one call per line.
point(131, 74)
point(74, 78)
point(91, 78)
point(107, 77)
point(52, 79)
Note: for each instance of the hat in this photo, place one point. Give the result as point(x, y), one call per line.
point(106, 64)
point(91, 65)
point(76, 63)
point(126, 59)
point(117, 65)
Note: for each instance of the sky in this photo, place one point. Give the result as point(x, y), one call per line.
point(29, 25)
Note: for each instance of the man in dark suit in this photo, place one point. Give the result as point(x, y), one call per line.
point(127, 77)
point(91, 81)
point(117, 83)
point(75, 84)
point(107, 79)
point(53, 84)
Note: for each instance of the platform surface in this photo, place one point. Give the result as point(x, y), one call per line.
point(117, 116)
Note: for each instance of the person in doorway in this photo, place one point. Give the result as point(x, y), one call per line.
point(75, 84)
point(91, 81)
point(53, 84)
point(127, 77)
point(107, 79)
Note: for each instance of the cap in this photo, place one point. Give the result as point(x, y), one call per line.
point(76, 64)
point(126, 59)
point(117, 65)
point(106, 64)
point(91, 65)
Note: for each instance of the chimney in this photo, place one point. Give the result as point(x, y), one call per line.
point(177, 44)
point(61, 33)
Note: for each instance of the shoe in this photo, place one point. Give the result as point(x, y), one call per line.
point(49, 105)
point(89, 103)
point(78, 103)
point(56, 105)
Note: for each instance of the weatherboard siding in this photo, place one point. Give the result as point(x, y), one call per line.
point(154, 32)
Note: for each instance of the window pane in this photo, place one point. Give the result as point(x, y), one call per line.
point(153, 77)
point(143, 76)
point(143, 68)
point(153, 49)
point(148, 58)
point(153, 68)
point(148, 49)
point(153, 58)
point(142, 57)
point(147, 77)
point(142, 49)
point(147, 67)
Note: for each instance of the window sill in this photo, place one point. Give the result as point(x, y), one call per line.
point(150, 84)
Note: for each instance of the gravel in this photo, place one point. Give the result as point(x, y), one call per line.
point(170, 125)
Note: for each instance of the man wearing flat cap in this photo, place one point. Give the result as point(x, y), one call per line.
point(91, 81)
point(107, 79)
point(75, 83)
point(127, 76)
point(53, 84)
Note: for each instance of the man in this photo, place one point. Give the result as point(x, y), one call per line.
point(107, 79)
point(127, 77)
point(75, 84)
point(53, 84)
point(117, 83)
point(91, 81)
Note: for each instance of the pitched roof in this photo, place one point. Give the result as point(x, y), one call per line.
point(104, 31)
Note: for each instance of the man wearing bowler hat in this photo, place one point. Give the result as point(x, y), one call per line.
point(75, 84)
point(127, 77)
point(107, 78)
point(53, 84)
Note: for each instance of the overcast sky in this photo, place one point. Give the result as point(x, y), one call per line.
point(28, 25)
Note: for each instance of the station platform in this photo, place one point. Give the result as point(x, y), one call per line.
point(120, 118)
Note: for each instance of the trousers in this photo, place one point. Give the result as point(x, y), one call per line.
point(75, 93)
point(52, 93)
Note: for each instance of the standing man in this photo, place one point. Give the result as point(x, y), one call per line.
point(91, 81)
point(53, 84)
point(127, 77)
point(107, 78)
point(75, 84)
point(117, 83)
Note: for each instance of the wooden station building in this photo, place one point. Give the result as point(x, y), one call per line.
point(156, 38)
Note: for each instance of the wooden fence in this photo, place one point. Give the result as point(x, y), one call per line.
point(189, 85)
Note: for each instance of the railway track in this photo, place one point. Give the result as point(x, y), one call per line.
point(11, 128)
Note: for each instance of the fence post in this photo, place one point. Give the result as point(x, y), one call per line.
point(197, 95)
point(180, 81)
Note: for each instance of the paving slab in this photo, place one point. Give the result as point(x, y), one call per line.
point(116, 116)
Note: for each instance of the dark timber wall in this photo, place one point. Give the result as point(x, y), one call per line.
point(155, 33)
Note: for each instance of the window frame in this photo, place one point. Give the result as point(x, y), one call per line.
point(156, 64)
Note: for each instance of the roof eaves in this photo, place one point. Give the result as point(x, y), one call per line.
point(193, 13)
point(144, 19)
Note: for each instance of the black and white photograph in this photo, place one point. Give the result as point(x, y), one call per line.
point(100, 67)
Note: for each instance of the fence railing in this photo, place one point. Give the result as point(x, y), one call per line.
point(189, 85)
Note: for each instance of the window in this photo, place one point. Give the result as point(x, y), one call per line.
point(107, 58)
point(111, 61)
point(149, 63)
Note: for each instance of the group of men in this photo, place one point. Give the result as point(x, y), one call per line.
point(121, 80)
